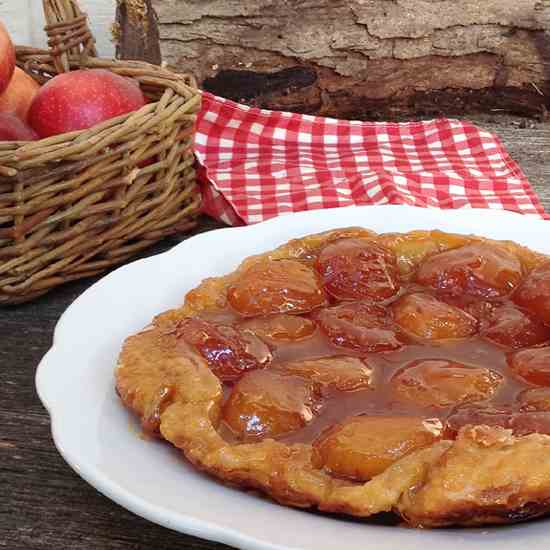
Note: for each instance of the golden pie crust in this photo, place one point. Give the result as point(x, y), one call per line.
point(479, 477)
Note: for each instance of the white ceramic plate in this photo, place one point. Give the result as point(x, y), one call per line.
point(100, 440)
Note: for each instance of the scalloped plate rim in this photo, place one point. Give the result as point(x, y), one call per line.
point(186, 523)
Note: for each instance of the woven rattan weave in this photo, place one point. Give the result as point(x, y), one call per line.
point(76, 204)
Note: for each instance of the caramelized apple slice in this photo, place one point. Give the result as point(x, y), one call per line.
point(427, 317)
point(532, 365)
point(411, 249)
point(534, 293)
point(332, 373)
point(509, 326)
point(354, 269)
point(479, 308)
point(520, 422)
point(502, 323)
point(441, 383)
point(473, 415)
point(364, 446)
point(535, 399)
point(525, 423)
point(359, 326)
point(228, 351)
point(276, 286)
point(478, 269)
point(268, 403)
point(280, 328)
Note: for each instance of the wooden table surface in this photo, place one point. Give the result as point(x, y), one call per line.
point(44, 504)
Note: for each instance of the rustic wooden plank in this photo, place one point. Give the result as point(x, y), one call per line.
point(528, 143)
point(45, 505)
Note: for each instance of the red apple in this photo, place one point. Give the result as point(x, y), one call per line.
point(14, 129)
point(81, 99)
point(19, 94)
point(7, 58)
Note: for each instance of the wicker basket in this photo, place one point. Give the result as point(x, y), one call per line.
point(75, 204)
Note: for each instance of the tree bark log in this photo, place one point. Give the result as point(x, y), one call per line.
point(365, 58)
point(136, 31)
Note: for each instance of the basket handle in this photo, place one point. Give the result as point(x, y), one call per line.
point(68, 33)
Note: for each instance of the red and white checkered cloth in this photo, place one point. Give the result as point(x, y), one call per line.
point(257, 164)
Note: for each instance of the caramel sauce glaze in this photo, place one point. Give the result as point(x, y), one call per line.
point(379, 399)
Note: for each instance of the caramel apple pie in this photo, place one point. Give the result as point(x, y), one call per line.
point(361, 373)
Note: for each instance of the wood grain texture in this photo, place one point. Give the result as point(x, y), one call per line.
point(137, 35)
point(44, 504)
point(369, 59)
point(529, 144)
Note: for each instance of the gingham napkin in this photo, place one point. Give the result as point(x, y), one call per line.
point(257, 164)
